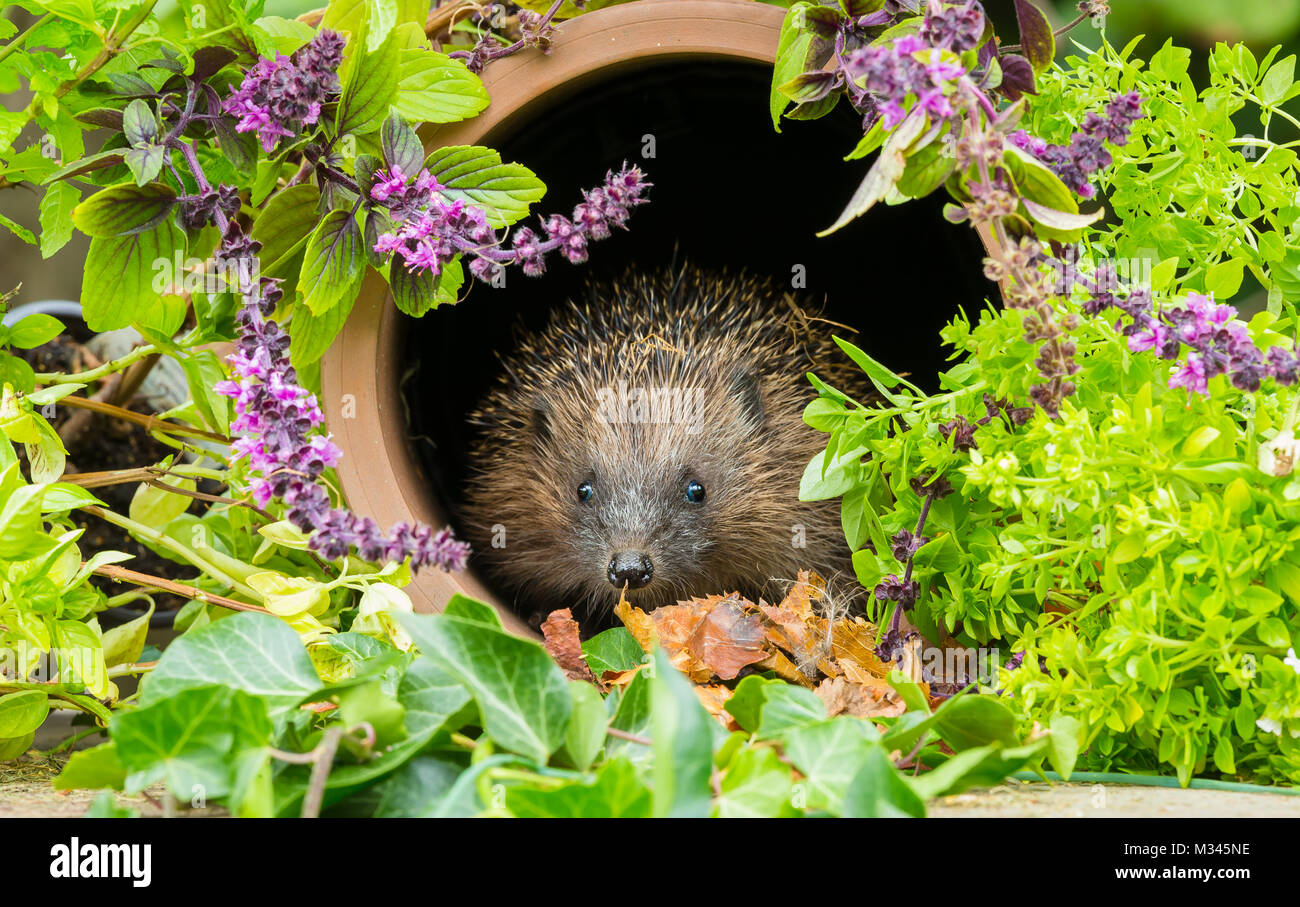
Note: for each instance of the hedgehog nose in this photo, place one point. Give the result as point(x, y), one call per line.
point(631, 568)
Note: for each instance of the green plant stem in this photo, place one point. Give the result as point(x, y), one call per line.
point(19, 41)
point(183, 551)
point(70, 742)
point(94, 374)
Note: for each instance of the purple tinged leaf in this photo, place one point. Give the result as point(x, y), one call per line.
point(139, 124)
point(1036, 38)
point(884, 173)
point(823, 21)
point(1017, 76)
point(401, 146)
point(809, 87)
point(208, 61)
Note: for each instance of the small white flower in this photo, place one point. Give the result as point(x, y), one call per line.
point(1292, 660)
point(1278, 456)
point(1269, 725)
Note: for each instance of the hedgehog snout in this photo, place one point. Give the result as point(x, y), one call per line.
point(631, 568)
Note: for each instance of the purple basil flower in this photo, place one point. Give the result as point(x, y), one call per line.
point(891, 73)
point(960, 431)
point(957, 28)
point(1086, 154)
point(277, 417)
point(892, 588)
point(280, 96)
point(432, 230)
point(905, 544)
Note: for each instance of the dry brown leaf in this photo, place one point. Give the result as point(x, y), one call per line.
point(876, 699)
point(727, 639)
point(613, 679)
point(638, 623)
point(853, 640)
point(562, 642)
point(784, 668)
point(713, 697)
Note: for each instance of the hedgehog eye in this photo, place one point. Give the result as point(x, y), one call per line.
point(584, 492)
point(694, 492)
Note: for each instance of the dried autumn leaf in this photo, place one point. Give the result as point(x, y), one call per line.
point(638, 623)
point(783, 667)
point(853, 641)
point(713, 697)
point(727, 640)
point(875, 699)
point(562, 642)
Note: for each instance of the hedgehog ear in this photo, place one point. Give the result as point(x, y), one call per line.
point(746, 388)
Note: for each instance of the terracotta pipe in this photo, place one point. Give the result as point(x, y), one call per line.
point(380, 474)
point(360, 374)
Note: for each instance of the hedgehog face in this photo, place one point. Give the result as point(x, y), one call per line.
point(651, 443)
point(627, 500)
point(642, 524)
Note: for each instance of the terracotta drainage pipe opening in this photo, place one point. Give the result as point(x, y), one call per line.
point(728, 192)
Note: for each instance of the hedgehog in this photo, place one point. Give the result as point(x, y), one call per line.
point(649, 442)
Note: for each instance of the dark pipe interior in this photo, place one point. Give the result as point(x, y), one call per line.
point(727, 191)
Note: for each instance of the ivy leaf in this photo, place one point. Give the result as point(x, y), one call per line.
point(434, 88)
point(878, 791)
point(93, 768)
point(617, 793)
point(615, 649)
point(757, 785)
point(1036, 39)
point(522, 696)
point(829, 754)
point(683, 744)
point(976, 720)
point(191, 739)
point(332, 262)
point(273, 665)
point(477, 175)
point(1063, 744)
point(124, 209)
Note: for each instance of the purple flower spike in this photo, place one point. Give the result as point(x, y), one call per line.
point(432, 230)
point(276, 417)
point(278, 97)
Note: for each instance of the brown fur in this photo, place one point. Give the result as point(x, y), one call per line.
point(546, 430)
